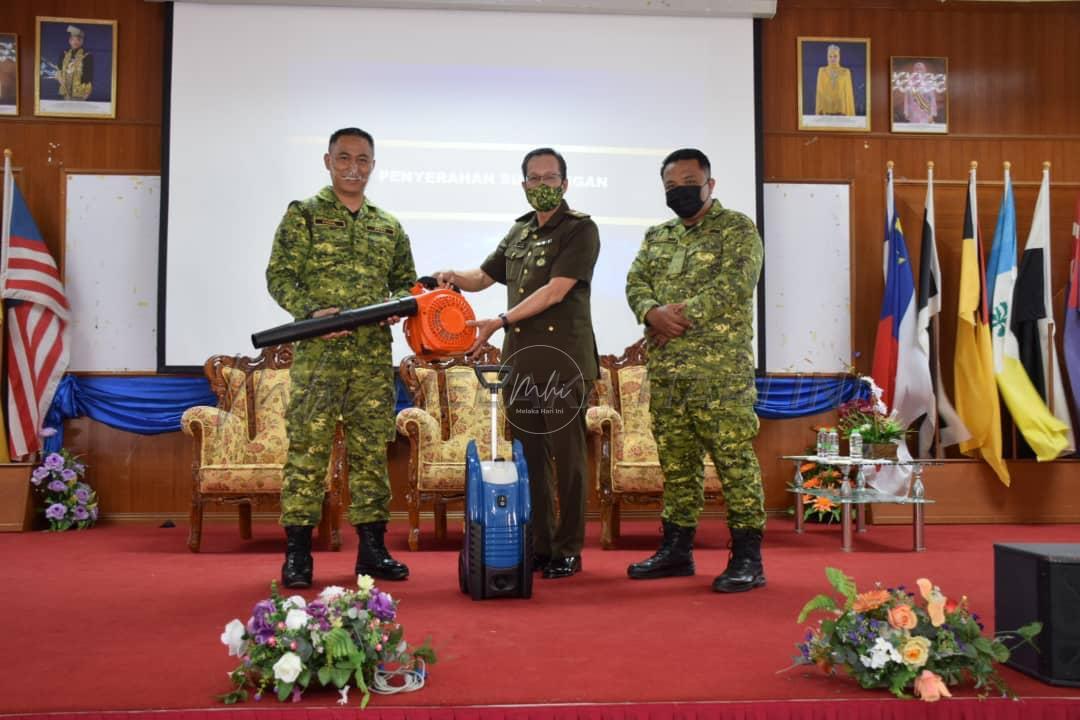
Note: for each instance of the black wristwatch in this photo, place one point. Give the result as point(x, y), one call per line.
point(505, 322)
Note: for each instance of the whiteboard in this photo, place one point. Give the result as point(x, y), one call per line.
point(807, 278)
point(110, 270)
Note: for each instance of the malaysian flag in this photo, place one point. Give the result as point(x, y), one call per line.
point(37, 320)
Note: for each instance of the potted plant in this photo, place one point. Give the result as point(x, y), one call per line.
point(880, 429)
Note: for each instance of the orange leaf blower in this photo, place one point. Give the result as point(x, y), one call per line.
point(436, 324)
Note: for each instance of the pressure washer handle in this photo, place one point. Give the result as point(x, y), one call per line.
point(502, 376)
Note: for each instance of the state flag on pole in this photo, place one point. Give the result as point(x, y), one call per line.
point(37, 320)
point(901, 367)
point(1033, 314)
point(1046, 435)
point(1071, 342)
point(973, 362)
point(941, 411)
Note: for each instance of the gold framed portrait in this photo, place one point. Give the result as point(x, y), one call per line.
point(834, 84)
point(75, 68)
point(919, 94)
point(9, 74)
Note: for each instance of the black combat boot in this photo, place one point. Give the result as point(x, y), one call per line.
point(373, 558)
point(296, 572)
point(744, 570)
point(675, 558)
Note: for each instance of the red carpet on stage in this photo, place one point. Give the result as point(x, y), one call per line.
point(124, 618)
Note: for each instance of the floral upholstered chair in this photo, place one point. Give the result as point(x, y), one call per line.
point(620, 428)
point(450, 408)
point(240, 445)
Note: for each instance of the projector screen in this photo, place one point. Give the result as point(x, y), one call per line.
point(454, 100)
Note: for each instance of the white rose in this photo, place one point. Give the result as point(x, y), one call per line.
point(233, 637)
point(288, 667)
point(365, 583)
point(330, 592)
point(296, 619)
point(294, 601)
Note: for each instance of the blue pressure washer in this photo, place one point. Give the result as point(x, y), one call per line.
point(497, 558)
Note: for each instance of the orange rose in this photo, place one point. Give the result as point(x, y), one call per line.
point(916, 651)
point(930, 687)
point(902, 617)
point(870, 600)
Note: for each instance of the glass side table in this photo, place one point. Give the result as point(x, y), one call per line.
point(859, 495)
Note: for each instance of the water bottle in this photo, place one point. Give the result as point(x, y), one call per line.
point(822, 442)
point(834, 443)
point(855, 445)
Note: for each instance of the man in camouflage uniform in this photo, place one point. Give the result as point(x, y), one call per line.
point(336, 251)
point(692, 285)
point(546, 262)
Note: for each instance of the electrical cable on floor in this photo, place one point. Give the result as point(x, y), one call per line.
point(413, 679)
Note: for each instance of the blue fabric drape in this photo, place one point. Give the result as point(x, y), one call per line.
point(801, 395)
point(154, 404)
point(145, 405)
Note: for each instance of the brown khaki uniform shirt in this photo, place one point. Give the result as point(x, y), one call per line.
point(526, 259)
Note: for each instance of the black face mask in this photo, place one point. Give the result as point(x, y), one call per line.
point(685, 200)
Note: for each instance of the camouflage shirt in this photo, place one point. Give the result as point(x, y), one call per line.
point(713, 267)
point(323, 258)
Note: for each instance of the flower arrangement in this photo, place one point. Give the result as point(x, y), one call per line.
point(820, 477)
point(69, 502)
point(890, 638)
point(871, 417)
point(341, 637)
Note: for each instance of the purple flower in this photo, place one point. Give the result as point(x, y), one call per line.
point(69, 475)
point(259, 625)
point(39, 474)
point(320, 613)
point(47, 432)
point(56, 511)
point(82, 495)
point(54, 461)
point(381, 605)
point(57, 486)
point(79, 513)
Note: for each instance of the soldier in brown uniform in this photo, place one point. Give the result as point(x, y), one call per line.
point(546, 262)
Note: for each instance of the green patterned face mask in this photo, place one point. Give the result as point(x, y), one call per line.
point(544, 198)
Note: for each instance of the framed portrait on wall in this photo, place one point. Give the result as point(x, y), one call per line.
point(834, 84)
point(75, 68)
point(9, 74)
point(919, 94)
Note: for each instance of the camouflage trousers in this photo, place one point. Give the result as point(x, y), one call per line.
point(329, 388)
point(690, 418)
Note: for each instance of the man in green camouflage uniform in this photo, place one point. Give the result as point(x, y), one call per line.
point(332, 252)
point(692, 285)
point(546, 262)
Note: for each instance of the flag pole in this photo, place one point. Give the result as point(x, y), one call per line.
point(935, 361)
point(1051, 326)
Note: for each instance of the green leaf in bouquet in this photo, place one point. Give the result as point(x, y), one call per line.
point(341, 676)
point(284, 690)
point(325, 675)
point(820, 602)
point(844, 584)
point(425, 652)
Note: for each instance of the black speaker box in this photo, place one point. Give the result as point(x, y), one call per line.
point(1041, 581)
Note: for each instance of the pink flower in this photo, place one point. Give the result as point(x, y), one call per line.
point(930, 687)
point(902, 617)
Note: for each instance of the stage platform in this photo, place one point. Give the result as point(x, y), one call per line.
point(124, 621)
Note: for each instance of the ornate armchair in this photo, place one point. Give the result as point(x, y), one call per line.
point(450, 409)
point(620, 428)
point(240, 445)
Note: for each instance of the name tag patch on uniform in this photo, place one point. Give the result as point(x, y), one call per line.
point(542, 243)
point(329, 222)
